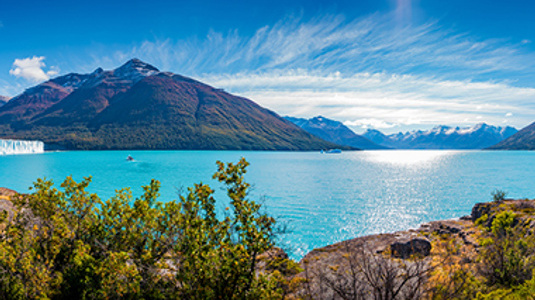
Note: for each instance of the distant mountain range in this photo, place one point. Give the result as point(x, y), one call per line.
point(522, 140)
point(480, 136)
point(334, 131)
point(3, 100)
point(444, 137)
point(138, 107)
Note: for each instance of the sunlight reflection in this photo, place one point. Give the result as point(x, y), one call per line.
point(406, 157)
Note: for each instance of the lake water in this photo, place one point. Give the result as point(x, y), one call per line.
point(324, 198)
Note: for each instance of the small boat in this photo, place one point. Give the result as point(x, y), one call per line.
point(333, 151)
point(129, 158)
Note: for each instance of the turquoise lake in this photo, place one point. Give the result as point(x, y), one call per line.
point(323, 198)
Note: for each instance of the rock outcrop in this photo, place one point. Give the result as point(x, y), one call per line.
point(5, 202)
point(479, 210)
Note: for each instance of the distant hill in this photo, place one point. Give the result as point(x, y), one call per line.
point(334, 131)
point(444, 137)
point(138, 107)
point(3, 100)
point(522, 140)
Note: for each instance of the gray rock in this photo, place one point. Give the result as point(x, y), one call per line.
point(407, 247)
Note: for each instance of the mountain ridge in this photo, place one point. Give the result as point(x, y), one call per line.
point(480, 136)
point(522, 140)
point(334, 131)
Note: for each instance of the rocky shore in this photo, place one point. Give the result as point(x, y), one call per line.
point(340, 265)
point(333, 270)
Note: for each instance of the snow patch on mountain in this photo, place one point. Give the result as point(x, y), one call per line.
point(135, 70)
point(444, 137)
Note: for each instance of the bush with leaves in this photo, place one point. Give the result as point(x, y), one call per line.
point(498, 195)
point(506, 254)
point(452, 275)
point(69, 244)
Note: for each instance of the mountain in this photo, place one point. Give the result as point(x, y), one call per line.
point(3, 100)
point(136, 106)
point(37, 99)
point(522, 140)
point(444, 137)
point(378, 138)
point(334, 131)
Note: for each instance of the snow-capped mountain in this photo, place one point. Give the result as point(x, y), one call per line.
point(334, 131)
point(444, 137)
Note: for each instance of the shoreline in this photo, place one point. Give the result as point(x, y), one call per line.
point(379, 243)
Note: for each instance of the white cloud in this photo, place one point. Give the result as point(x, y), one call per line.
point(509, 114)
point(31, 69)
point(370, 123)
point(382, 100)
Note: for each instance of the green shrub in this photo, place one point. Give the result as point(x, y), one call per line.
point(69, 244)
point(506, 254)
point(498, 195)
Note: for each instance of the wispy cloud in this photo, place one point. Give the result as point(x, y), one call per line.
point(381, 100)
point(370, 72)
point(9, 89)
point(370, 123)
point(373, 44)
point(31, 69)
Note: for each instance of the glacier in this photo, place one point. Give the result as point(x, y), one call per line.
point(21, 147)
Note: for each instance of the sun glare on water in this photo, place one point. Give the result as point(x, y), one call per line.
point(407, 157)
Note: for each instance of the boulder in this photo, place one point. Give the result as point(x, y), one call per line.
point(407, 247)
point(7, 192)
point(5, 202)
point(441, 227)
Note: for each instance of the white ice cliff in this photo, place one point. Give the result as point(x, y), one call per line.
point(21, 147)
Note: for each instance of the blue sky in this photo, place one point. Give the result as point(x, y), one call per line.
point(393, 65)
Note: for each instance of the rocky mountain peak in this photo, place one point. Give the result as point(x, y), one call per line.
point(97, 71)
point(481, 126)
point(136, 65)
point(135, 70)
point(324, 122)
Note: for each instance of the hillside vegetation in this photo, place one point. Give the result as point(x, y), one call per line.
point(72, 245)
